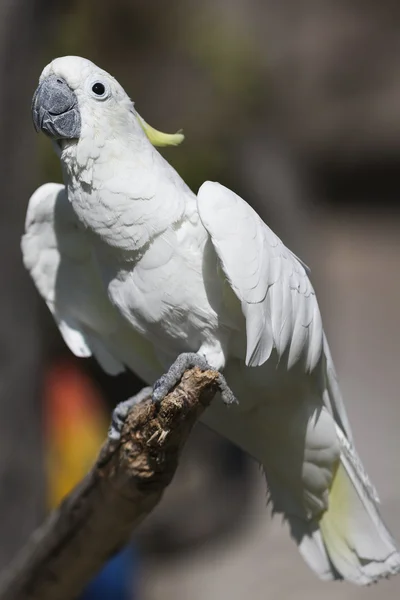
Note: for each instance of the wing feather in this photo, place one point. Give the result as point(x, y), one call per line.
point(57, 255)
point(277, 297)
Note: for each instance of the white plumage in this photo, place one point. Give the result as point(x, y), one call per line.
point(58, 255)
point(136, 269)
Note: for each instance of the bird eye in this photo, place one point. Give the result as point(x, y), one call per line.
point(98, 89)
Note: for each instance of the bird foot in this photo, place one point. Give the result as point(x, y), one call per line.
point(121, 411)
point(186, 361)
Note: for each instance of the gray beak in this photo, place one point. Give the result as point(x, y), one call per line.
point(55, 109)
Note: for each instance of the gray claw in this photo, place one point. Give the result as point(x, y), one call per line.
point(227, 396)
point(186, 361)
point(121, 411)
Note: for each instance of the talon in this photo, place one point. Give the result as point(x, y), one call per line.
point(185, 361)
point(121, 411)
point(167, 382)
point(227, 396)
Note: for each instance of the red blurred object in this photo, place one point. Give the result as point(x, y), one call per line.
point(76, 424)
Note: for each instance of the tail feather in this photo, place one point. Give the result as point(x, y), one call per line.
point(350, 540)
point(357, 540)
point(312, 548)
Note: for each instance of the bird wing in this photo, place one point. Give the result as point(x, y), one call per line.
point(59, 259)
point(277, 297)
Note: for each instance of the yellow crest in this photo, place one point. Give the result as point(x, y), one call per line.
point(158, 138)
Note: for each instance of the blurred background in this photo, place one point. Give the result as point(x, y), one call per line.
point(296, 106)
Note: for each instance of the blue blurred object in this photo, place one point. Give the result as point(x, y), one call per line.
point(118, 580)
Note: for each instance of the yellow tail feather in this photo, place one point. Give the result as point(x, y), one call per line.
point(356, 539)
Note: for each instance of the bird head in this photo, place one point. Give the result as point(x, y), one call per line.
point(74, 94)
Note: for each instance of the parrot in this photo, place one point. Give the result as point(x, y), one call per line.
point(143, 274)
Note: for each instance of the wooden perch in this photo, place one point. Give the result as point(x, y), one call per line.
point(125, 484)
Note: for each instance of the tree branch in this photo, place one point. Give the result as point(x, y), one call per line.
point(125, 484)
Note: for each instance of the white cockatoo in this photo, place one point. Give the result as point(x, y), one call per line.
point(138, 270)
